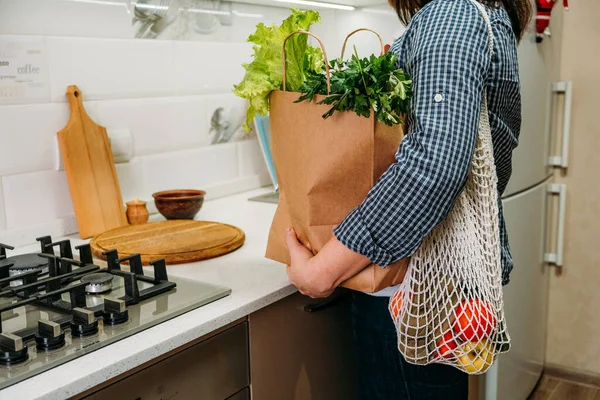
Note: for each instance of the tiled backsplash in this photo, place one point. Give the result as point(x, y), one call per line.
point(164, 92)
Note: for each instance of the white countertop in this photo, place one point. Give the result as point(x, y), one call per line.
point(255, 282)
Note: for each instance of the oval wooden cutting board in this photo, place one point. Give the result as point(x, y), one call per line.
point(177, 241)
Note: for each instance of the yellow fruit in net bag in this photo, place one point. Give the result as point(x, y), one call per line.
point(477, 356)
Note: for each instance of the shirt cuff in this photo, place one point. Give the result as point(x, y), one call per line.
point(353, 233)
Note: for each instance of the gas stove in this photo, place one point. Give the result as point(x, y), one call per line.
point(57, 307)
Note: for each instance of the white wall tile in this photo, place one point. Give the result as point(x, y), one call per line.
point(26, 236)
point(189, 169)
point(131, 179)
point(200, 67)
point(386, 25)
point(224, 161)
point(113, 19)
point(110, 68)
point(158, 125)
point(34, 198)
point(30, 134)
point(24, 51)
point(247, 16)
point(239, 185)
point(252, 161)
point(218, 28)
point(100, 18)
point(190, 124)
point(148, 120)
point(234, 113)
point(337, 25)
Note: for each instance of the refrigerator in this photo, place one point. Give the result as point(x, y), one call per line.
point(534, 209)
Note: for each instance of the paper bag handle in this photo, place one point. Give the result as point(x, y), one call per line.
point(360, 30)
point(327, 74)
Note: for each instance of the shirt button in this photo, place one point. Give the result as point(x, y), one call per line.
point(438, 98)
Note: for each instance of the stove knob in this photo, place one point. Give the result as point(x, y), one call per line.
point(12, 349)
point(115, 311)
point(84, 323)
point(49, 336)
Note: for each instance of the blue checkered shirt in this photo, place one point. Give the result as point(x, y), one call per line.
point(445, 52)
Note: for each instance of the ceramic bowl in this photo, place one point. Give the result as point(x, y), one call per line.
point(179, 204)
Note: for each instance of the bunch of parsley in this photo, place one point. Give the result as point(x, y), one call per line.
point(362, 85)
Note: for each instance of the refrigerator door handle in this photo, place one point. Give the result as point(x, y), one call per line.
point(556, 258)
point(561, 161)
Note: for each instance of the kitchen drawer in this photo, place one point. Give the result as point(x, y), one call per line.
point(214, 369)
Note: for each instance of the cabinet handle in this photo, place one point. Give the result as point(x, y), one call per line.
point(556, 258)
point(561, 161)
point(318, 305)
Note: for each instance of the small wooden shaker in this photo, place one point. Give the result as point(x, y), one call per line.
point(137, 213)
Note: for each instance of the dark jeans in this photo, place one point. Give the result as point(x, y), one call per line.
point(383, 372)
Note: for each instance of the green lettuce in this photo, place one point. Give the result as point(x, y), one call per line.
point(265, 73)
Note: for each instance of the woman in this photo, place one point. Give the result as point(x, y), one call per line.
point(445, 51)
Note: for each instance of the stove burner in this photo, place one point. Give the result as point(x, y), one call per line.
point(25, 262)
point(99, 282)
point(12, 349)
point(22, 264)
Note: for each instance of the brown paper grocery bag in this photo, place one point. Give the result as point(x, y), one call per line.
point(325, 168)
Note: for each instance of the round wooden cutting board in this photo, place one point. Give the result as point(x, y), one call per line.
point(177, 241)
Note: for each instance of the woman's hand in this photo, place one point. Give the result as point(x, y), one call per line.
point(317, 276)
point(303, 272)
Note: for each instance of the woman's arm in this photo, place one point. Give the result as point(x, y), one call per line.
point(317, 276)
point(447, 57)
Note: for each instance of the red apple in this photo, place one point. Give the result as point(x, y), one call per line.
point(446, 345)
point(395, 304)
point(475, 320)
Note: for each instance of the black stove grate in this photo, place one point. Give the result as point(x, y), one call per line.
point(64, 274)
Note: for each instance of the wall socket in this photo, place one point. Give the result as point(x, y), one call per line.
point(121, 146)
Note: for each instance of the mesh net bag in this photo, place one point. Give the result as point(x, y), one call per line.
point(449, 308)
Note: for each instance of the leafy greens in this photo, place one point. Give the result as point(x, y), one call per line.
point(361, 85)
point(265, 73)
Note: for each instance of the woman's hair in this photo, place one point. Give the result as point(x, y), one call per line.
point(519, 11)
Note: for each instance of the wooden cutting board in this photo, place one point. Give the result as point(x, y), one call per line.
point(177, 241)
point(90, 169)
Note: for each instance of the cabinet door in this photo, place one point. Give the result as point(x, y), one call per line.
point(214, 369)
point(525, 299)
point(299, 355)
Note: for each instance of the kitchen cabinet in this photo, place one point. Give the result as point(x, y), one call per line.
point(214, 369)
point(289, 353)
point(299, 355)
